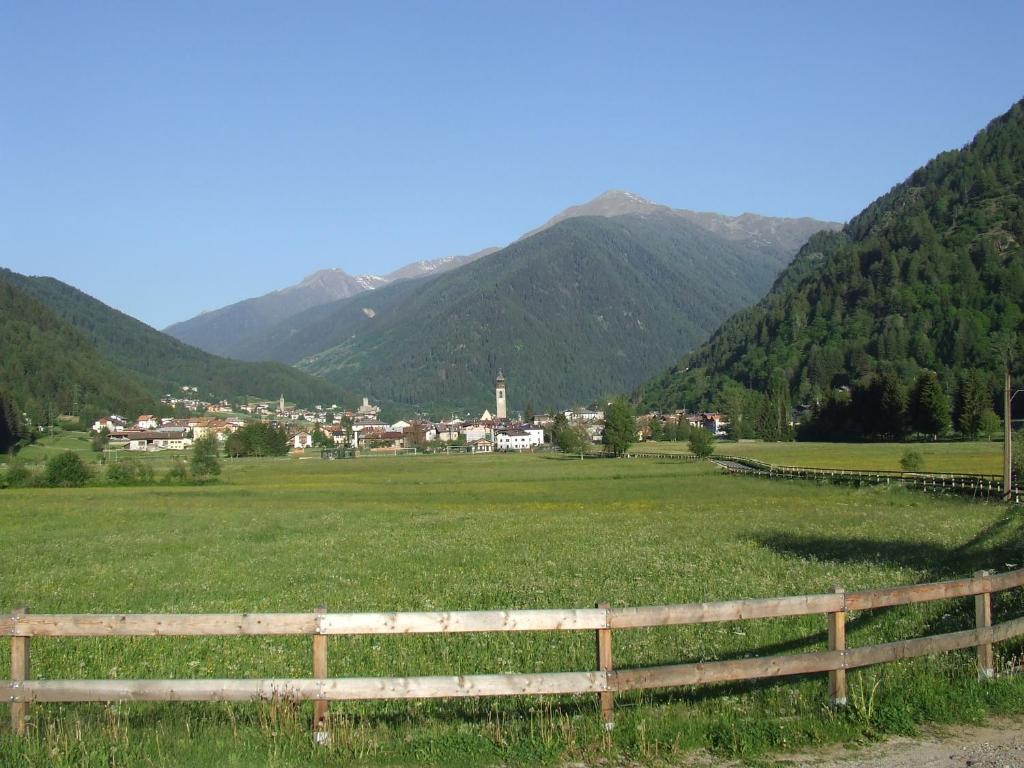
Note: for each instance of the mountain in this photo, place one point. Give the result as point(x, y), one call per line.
point(162, 364)
point(223, 331)
point(764, 231)
point(923, 279)
point(588, 306)
point(49, 368)
point(435, 266)
point(218, 330)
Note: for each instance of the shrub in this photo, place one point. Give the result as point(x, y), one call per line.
point(66, 470)
point(702, 444)
point(19, 476)
point(178, 473)
point(912, 461)
point(129, 472)
point(204, 463)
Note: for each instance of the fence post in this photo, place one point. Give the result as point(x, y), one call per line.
point(321, 735)
point(837, 642)
point(20, 672)
point(606, 699)
point(983, 620)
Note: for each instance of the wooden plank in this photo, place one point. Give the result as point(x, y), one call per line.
point(983, 620)
point(1002, 581)
point(704, 673)
point(331, 689)
point(606, 699)
point(21, 671)
point(464, 621)
point(942, 590)
point(923, 646)
point(166, 624)
point(837, 643)
point(733, 610)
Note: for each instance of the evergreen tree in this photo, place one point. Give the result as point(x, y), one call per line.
point(657, 429)
point(11, 428)
point(929, 406)
point(773, 421)
point(892, 404)
point(619, 427)
point(973, 400)
point(257, 439)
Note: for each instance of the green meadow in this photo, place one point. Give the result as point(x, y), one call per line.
point(979, 457)
point(487, 532)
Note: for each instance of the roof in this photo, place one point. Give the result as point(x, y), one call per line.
point(147, 435)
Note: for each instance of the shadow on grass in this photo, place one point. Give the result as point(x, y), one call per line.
point(1000, 544)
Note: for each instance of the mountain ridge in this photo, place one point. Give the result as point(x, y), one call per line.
point(578, 310)
point(236, 329)
point(221, 331)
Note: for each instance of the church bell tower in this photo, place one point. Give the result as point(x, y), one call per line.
point(499, 396)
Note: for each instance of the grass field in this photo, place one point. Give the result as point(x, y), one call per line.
point(477, 532)
point(970, 457)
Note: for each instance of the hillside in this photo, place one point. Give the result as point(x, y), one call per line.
point(227, 330)
point(923, 278)
point(160, 363)
point(49, 368)
point(587, 307)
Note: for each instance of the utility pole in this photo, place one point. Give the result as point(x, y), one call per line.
point(1007, 439)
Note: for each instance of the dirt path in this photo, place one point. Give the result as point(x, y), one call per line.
point(997, 744)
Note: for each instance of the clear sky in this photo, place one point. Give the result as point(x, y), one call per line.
point(170, 157)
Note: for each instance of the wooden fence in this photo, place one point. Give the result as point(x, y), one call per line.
point(604, 681)
point(978, 485)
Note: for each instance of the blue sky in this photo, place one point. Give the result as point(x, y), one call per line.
point(174, 157)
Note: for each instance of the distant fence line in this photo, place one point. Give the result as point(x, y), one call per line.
point(604, 681)
point(978, 485)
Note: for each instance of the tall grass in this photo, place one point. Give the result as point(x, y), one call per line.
point(479, 532)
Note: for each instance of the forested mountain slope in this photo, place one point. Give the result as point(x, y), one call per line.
point(162, 363)
point(924, 278)
point(589, 306)
point(48, 368)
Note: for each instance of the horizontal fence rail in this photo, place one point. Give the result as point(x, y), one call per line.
point(978, 485)
point(21, 690)
point(961, 482)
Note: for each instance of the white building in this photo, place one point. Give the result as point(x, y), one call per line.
point(147, 421)
point(474, 432)
point(513, 439)
point(535, 433)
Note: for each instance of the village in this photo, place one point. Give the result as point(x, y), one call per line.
point(339, 433)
